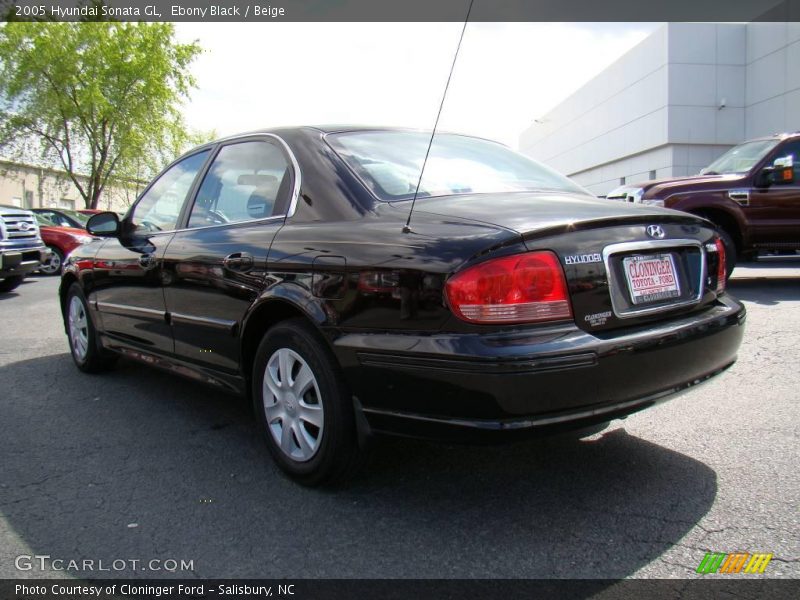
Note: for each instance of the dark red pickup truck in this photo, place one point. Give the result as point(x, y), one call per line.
point(751, 193)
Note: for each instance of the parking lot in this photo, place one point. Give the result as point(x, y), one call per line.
point(136, 464)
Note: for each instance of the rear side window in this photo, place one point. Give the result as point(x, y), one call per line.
point(245, 182)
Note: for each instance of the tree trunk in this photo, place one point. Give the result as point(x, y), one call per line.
point(94, 199)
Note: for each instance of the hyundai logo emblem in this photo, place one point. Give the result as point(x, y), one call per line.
point(655, 231)
point(24, 227)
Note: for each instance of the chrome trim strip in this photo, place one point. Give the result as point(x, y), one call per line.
point(297, 175)
point(612, 249)
point(740, 196)
point(129, 311)
point(248, 222)
point(223, 324)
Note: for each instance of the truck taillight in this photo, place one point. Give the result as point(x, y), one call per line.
point(722, 265)
point(523, 288)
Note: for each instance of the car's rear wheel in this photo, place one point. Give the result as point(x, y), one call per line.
point(303, 406)
point(88, 354)
point(11, 283)
point(54, 263)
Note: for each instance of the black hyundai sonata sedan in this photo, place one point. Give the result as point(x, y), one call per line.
point(282, 264)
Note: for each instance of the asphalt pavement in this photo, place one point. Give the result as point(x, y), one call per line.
point(137, 465)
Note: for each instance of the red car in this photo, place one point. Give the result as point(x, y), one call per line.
point(62, 241)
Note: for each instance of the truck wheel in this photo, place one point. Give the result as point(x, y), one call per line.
point(303, 406)
point(730, 251)
point(88, 354)
point(53, 264)
point(11, 283)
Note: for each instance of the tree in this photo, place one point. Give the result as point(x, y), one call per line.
point(100, 100)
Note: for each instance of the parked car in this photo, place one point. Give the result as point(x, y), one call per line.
point(61, 241)
point(282, 264)
point(63, 217)
point(751, 193)
point(21, 248)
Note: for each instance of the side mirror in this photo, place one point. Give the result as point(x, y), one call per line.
point(783, 170)
point(105, 224)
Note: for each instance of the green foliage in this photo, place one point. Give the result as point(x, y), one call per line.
point(99, 99)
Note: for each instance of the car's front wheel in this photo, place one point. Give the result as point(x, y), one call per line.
point(88, 354)
point(53, 264)
point(303, 406)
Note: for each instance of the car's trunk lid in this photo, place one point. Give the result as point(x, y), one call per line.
point(625, 265)
point(534, 213)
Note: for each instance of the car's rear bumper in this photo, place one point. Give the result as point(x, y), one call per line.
point(501, 385)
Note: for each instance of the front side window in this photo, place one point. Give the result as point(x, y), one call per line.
point(389, 162)
point(740, 159)
point(59, 219)
point(792, 149)
point(246, 181)
point(78, 219)
point(158, 209)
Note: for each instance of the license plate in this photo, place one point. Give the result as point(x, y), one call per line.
point(651, 278)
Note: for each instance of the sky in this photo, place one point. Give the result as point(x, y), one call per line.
point(258, 75)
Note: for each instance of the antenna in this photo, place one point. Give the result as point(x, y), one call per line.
point(407, 226)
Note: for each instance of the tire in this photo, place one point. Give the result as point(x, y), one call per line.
point(87, 353)
point(731, 255)
point(54, 265)
point(11, 283)
point(310, 432)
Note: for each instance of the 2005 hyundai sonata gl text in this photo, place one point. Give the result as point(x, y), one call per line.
point(278, 264)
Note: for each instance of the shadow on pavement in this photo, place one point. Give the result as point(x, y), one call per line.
point(15, 292)
point(87, 457)
point(765, 291)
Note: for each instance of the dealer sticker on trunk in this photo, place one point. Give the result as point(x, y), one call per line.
point(651, 278)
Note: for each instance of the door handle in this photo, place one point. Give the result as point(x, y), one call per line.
point(147, 261)
point(238, 261)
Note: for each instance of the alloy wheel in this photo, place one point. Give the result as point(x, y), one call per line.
point(53, 264)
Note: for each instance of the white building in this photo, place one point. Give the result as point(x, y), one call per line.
point(29, 186)
point(673, 104)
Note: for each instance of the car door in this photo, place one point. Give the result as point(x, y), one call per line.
point(775, 210)
point(215, 267)
point(128, 269)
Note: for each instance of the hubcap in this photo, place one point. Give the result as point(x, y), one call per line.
point(293, 405)
point(78, 328)
point(53, 264)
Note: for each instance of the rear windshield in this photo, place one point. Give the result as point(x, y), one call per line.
point(741, 158)
point(389, 162)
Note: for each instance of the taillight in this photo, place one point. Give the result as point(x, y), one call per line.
point(523, 288)
point(722, 265)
